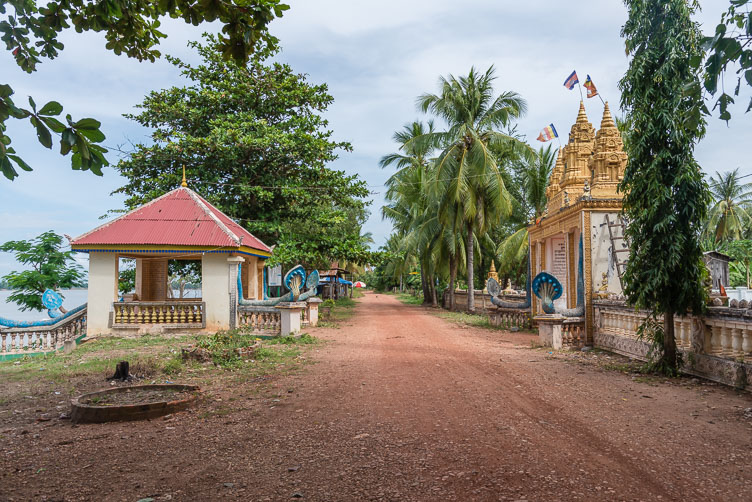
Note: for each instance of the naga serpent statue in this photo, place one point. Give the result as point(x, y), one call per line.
point(548, 288)
point(494, 289)
point(54, 303)
point(295, 280)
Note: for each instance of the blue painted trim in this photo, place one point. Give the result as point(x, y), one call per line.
point(9, 323)
point(18, 355)
point(166, 251)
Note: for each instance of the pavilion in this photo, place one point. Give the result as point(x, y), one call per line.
point(180, 225)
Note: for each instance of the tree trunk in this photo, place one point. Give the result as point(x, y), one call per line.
point(400, 283)
point(669, 342)
point(424, 286)
point(434, 298)
point(452, 277)
point(470, 278)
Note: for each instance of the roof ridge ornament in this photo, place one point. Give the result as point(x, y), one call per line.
point(184, 183)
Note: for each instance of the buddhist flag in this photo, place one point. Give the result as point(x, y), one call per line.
point(548, 133)
point(571, 81)
point(590, 86)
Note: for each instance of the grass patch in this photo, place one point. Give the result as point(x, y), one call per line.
point(148, 354)
point(340, 310)
point(410, 299)
point(475, 320)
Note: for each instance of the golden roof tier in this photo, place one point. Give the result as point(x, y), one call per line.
point(590, 165)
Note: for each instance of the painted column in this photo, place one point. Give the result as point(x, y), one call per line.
point(232, 289)
point(102, 292)
point(215, 289)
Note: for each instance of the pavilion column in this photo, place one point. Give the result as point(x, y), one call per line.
point(233, 262)
point(215, 290)
point(102, 292)
point(260, 279)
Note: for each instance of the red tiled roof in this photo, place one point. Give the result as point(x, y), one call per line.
point(178, 218)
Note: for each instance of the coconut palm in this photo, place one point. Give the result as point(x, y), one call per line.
point(730, 217)
point(467, 175)
point(407, 199)
point(532, 179)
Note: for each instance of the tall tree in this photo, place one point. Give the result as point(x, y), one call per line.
point(665, 195)
point(32, 32)
point(254, 143)
point(407, 198)
point(729, 46)
point(49, 268)
point(531, 179)
point(730, 216)
point(467, 174)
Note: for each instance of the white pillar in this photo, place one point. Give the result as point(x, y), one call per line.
point(102, 292)
point(215, 291)
point(290, 317)
point(313, 311)
point(232, 286)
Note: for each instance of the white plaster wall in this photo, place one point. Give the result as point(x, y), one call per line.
point(601, 257)
point(102, 292)
point(215, 290)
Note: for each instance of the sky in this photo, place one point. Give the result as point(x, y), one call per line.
point(376, 58)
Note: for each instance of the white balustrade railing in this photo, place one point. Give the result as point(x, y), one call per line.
point(263, 320)
point(510, 318)
point(42, 338)
point(721, 332)
point(184, 312)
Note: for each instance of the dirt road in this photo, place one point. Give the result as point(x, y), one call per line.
point(403, 405)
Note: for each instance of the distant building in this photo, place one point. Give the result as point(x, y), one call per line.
point(718, 265)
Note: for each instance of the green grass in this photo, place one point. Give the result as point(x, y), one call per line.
point(149, 356)
point(342, 309)
point(475, 320)
point(409, 299)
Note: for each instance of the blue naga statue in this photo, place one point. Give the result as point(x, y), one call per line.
point(547, 288)
point(295, 280)
point(54, 303)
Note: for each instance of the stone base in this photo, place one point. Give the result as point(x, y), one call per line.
point(290, 317)
point(549, 330)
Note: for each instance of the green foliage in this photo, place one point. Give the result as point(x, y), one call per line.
point(468, 181)
point(49, 268)
point(729, 46)
point(31, 32)
point(254, 144)
point(665, 195)
point(730, 216)
point(127, 276)
point(652, 332)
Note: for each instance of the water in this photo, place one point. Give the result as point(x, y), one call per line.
point(73, 298)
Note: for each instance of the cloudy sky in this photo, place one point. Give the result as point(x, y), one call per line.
point(376, 57)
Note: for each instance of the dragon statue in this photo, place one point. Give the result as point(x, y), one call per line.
point(548, 288)
point(295, 279)
point(494, 289)
point(54, 303)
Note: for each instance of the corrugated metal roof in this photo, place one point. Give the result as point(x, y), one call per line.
point(180, 217)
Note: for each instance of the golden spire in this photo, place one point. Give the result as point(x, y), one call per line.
point(184, 183)
point(581, 115)
point(493, 266)
point(607, 120)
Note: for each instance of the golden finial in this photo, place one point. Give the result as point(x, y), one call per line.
point(184, 183)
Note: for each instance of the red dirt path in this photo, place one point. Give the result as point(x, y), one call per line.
point(403, 405)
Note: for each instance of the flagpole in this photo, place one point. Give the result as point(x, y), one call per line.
point(580, 88)
point(601, 98)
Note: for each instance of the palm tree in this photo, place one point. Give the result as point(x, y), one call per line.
point(406, 196)
point(730, 216)
point(532, 178)
point(467, 175)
